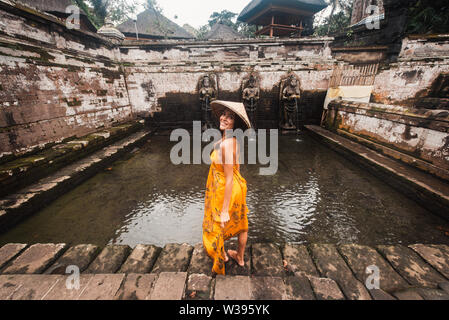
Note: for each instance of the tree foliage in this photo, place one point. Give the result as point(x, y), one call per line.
point(227, 18)
point(338, 19)
point(428, 16)
point(117, 11)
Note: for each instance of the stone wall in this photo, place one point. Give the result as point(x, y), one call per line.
point(54, 82)
point(421, 61)
point(172, 71)
point(422, 134)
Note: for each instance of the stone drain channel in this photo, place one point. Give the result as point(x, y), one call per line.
point(183, 272)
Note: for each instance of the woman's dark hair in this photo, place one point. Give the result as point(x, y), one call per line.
point(239, 123)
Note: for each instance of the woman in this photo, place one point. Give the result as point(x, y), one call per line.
point(225, 214)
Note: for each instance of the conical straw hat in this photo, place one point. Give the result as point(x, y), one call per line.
point(239, 108)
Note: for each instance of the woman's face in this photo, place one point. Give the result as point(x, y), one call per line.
point(227, 119)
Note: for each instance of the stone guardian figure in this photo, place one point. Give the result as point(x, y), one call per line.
point(251, 96)
point(290, 111)
point(207, 94)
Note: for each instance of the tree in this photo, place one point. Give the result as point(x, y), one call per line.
point(338, 19)
point(118, 11)
point(428, 17)
point(223, 17)
point(227, 18)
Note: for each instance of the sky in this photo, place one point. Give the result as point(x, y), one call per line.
point(197, 12)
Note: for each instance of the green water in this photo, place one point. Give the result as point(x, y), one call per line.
point(316, 196)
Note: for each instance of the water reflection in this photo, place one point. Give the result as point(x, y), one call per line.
point(316, 196)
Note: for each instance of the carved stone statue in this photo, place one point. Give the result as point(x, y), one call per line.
point(290, 95)
point(251, 96)
point(207, 95)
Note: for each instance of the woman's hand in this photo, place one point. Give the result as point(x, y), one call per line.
point(224, 217)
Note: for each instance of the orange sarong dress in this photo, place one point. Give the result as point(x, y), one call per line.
point(213, 234)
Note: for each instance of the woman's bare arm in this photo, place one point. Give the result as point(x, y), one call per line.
point(228, 159)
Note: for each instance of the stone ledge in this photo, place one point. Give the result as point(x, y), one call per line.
point(336, 276)
point(27, 169)
point(423, 188)
point(28, 200)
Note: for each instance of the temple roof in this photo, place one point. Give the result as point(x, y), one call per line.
point(153, 24)
point(258, 6)
point(223, 32)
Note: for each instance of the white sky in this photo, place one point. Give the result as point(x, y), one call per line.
point(197, 12)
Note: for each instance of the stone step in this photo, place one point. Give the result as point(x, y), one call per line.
point(17, 206)
point(232, 268)
point(359, 258)
point(435, 255)
point(433, 294)
point(199, 287)
point(27, 287)
point(173, 258)
point(267, 288)
point(297, 287)
point(267, 260)
point(36, 259)
point(200, 263)
point(69, 287)
point(409, 294)
point(326, 289)
point(410, 266)
point(431, 192)
point(232, 288)
point(136, 286)
point(444, 286)
point(10, 251)
point(331, 265)
point(379, 294)
point(297, 259)
point(27, 169)
point(169, 286)
point(141, 259)
point(109, 260)
point(102, 287)
point(80, 256)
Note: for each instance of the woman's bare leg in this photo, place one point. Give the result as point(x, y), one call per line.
point(239, 255)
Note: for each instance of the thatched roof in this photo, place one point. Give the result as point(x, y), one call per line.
point(222, 32)
point(152, 24)
point(256, 6)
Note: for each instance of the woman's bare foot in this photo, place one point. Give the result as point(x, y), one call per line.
point(234, 255)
